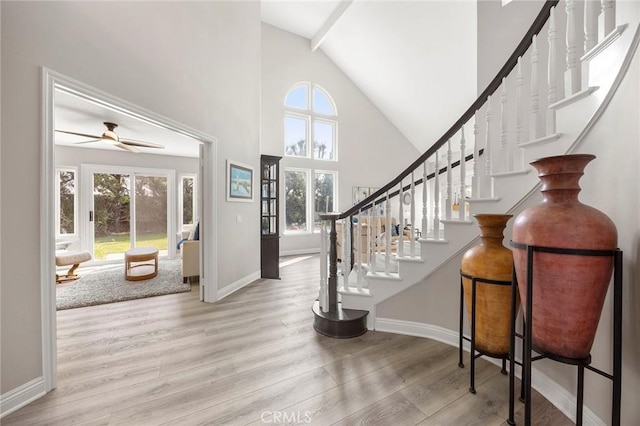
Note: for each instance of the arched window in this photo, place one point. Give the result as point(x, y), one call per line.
point(310, 115)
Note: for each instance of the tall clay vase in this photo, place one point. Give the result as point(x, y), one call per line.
point(491, 260)
point(568, 290)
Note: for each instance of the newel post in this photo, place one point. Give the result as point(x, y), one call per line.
point(332, 289)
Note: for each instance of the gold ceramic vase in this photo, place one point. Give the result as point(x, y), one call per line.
point(490, 260)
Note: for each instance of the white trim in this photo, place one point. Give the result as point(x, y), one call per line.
point(52, 81)
point(21, 396)
point(561, 398)
point(300, 251)
point(237, 285)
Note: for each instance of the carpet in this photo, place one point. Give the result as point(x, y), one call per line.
point(109, 286)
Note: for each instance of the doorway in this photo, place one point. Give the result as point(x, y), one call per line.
point(54, 82)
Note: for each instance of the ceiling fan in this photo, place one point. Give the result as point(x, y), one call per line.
point(111, 136)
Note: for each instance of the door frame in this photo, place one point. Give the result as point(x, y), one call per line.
point(51, 81)
point(87, 202)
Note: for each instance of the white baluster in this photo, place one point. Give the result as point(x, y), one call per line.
point(516, 162)
point(412, 212)
point(591, 10)
point(346, 259)
point(401, 220)
point(373, 236)
point(552, 73)
point(476, 159)
point(504, 145)
point(535, 131)
point(323, 296)
point(387, 235)
point(607, 19)
point(463, 176)
point(425, 219)
point(572, 74)
point(436, 199)
point(358, 241)
point(487, 150)
point(449, 194)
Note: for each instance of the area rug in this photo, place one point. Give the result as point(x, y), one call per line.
point(109, 286)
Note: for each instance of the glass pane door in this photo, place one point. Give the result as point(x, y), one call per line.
point(151, 212)
point(111, 215)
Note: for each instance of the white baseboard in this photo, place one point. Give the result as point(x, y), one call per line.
point(560, 397)
point(21, 396)
point(299, 251)
point(237, 285)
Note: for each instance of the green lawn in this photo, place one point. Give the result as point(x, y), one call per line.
point(121, 243)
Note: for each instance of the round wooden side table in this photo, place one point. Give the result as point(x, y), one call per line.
point(140, 271)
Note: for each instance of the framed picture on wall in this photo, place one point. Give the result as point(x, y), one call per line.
point(239, 182)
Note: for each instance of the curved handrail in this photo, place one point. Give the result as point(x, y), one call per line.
point(506, 69)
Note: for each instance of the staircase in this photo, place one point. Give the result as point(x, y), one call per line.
point(543, 102)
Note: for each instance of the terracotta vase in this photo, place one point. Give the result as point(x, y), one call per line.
point(568, 290)
point(490, 259)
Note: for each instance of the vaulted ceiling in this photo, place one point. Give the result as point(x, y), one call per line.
point(415, 60)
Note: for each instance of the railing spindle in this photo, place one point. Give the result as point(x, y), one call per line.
point(572, 74)
point(346, 260)
point(449, 200)
point(401, 220)
point(425, 219)
point(488, 151)
point(475, 189)
point(436, 199)
point(591, 9)
point(358, 241)
point(552, 72)
point(372, 233)
point(463, 177)
point(516, 158)
point(412, 212)
point(387, 235)
point(504, 145)
point(607, 19)
point(535, 126)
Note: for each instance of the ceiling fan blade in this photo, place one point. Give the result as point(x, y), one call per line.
point(127, 147)
point(79, 134)
point(83, 142)
point(141, 143)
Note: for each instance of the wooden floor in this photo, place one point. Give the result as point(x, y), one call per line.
point(254, 358)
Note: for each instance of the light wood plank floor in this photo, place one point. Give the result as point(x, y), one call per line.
point(254, 358)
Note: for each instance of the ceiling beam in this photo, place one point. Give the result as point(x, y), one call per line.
point(317, 40)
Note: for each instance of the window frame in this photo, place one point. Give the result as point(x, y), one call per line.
point(181, 177)
point(334, 173)
point(310, 200)
point(311, 117)
point(57, 204)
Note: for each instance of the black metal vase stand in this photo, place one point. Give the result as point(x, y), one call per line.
point(474, 352)
point(582, 364)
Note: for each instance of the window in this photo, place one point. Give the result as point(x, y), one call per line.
point(67, 202)
point(310, 115)
point(188, 197)
point(323, 195)
point(306, 200)
point(296, 183)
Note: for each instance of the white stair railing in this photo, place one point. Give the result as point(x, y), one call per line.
point(524, 117)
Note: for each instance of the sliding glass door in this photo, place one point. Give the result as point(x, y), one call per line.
point(150, 212)
point(129, 208)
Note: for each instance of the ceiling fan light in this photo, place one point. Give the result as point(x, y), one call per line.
point(110, 136)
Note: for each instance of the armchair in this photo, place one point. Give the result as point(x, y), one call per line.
point(190, 254)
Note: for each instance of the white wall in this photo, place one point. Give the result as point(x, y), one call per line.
point(371, 151)
point(612, 184)
point(197, 63)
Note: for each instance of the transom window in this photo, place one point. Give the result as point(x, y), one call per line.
point(310, 115)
